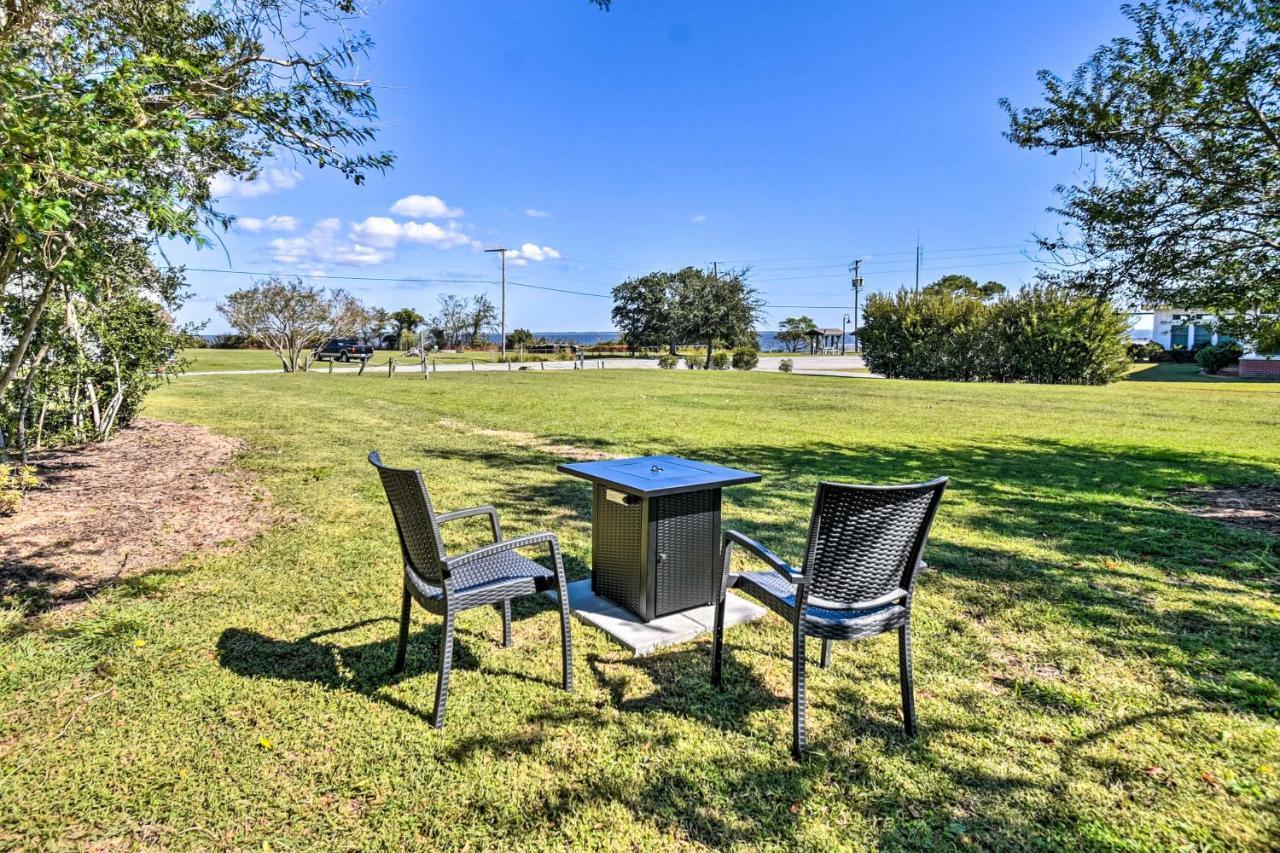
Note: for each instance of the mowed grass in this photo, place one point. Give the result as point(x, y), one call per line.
point(1096, 669)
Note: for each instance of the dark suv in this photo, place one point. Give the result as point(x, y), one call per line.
point(343, 349)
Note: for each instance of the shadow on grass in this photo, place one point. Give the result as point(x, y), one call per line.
point(365, 668)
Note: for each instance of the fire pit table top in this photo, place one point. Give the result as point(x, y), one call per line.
point(656, 476)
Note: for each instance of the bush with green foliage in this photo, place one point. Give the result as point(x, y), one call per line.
point(1150, 351)
point(1212, 359)
point(786, 365)
point(694, 364)
point(720, 360)
point(667, 361)
point(1042, 334)
point(14, 482)
point(745, 359)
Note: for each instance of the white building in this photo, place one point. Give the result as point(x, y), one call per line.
point(1186, 328)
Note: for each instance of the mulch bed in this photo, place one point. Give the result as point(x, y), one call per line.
point(152, 494)
point(1251, 507)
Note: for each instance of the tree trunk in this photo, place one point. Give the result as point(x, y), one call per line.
point(33, 320)
point(710, 345)
point(26, 401)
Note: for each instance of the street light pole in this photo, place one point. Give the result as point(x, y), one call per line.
point(502, 334)
point(856, 283)
point(844, 323)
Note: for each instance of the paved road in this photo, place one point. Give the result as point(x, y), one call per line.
point(814, 365)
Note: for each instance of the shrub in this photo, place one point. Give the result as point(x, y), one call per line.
point(693, 363)
point(1041, 334)
point(786, 365)
point(721, 360)
point(933, 334)
point(1150, 351)
point(14, 482)
point(1213, 358)
point(667, 361)
point(229, 341)
point(745, 359)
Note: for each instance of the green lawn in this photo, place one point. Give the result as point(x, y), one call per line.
point(252, 359)
point(1095, 668)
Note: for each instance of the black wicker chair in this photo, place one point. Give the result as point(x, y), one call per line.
point(865, 546)
point(491, 575)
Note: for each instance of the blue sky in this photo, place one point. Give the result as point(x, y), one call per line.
point(789, 137)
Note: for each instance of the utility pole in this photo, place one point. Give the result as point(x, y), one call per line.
point(502, 338)
point(857, 290)
point(919, 252)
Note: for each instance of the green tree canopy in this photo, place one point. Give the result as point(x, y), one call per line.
point(793, 332)
point(1181, 206)
point(963, 285)
point(716, 309)
point(642, 310)
point(406, 320)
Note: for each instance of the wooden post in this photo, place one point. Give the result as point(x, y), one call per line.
point(424, 367)
point(363, 363)
point(331, 365)
point(391, 367)
point(544, 365)
point(473, 364)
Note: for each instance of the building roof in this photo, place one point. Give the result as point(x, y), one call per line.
point(836, 332)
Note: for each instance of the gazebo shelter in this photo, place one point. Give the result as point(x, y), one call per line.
point(826, 341)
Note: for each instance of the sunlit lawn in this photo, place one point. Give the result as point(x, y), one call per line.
point(1095, 668)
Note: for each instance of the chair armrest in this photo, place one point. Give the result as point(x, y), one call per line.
point(463, 560)
point(894, 597)
point(473, 511)
point(779, 565)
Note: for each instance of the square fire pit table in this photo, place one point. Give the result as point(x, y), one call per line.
point(655, 530)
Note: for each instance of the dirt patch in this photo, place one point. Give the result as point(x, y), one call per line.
point(1250, 507)
point(155, 492)
point(526, 440)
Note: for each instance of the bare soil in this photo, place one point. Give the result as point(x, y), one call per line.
point(1250, 507)
point(152, 494)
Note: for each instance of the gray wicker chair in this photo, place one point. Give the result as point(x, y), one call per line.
point(444, 585)
point(865, 546)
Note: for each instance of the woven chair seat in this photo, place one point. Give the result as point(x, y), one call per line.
point(773, 590)
point(488, 581)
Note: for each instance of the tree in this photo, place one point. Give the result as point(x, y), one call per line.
point(482, 317)
point(793, 332)
point(642, 311)
point(711, 308)
point(1184, 121)
point(375, 327)
point(963, 285)
point(519, 339)
point(406, 320)
point(452, 319)
point(288, 317)
point(117, 118)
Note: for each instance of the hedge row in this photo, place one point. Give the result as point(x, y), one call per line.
point(1041, 334)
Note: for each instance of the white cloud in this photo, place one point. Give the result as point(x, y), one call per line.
point(425, 207)
point(321, 244)
point(253, 224)
point(534, 213)
point(269, 180)
point(381, 231)
point(386, 233)
point(701, 217)
point(533, 252)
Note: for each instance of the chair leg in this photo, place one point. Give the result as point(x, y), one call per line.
point(798, 738)
point(717, 642)
point(402, 645)
point(446, 664)
point(825, 660)
point(506, 623)
point(904, 677)
point(566, 637)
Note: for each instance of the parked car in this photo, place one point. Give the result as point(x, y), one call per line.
point(343, 349)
